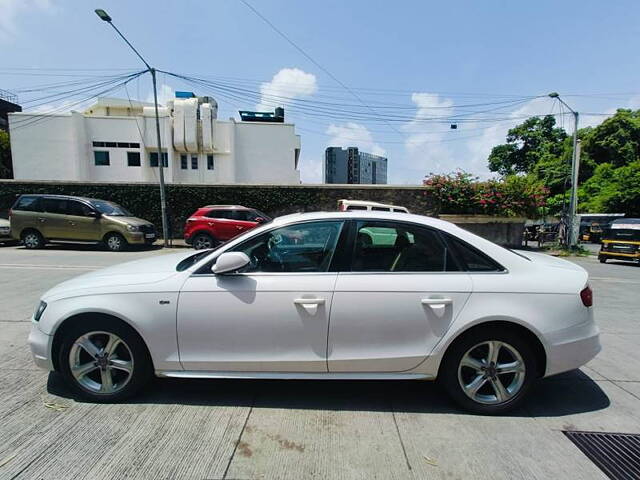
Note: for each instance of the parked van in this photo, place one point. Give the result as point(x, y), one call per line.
point(350, 205)
point(38, 219)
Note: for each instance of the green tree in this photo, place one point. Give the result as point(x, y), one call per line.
point(615, 141)
point(533, 141)
point(6, 170)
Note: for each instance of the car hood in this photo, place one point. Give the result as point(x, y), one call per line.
point(128, 220)
point(121, 276)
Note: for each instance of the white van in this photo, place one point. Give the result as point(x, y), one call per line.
point(350, 205)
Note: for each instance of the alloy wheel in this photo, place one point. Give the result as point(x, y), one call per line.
point(31, 240)
point(491, 372)
point(114, 242)
point(101, 362)
point(202, 242)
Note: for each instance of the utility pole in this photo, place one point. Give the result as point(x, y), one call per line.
point(163, 199)
point(573, 226)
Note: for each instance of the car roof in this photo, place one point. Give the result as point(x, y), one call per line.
point(373, 215)
point(367, 203)
point(73, 197)
point(227, 207)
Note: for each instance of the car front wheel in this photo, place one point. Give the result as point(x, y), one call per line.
point(489, 372)
point(104, 361)
point(115, 242)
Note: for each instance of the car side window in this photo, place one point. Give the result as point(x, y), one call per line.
point(29, 204)
point(77, 209)
point(219, 214)
point(356, 207)
point(304, 247)
point(399, 247)
point(471, 259)
point(55, 205)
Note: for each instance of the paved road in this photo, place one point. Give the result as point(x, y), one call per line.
point(191, 429)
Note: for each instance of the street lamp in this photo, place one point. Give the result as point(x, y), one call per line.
point(572, 237)
point(163, 200)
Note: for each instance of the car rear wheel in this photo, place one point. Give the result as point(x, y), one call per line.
point(104, 361)
point(32, 239)
point(115, 242)
point(203, 241)
point(489, 371)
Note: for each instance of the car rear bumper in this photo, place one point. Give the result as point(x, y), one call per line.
point(40, 345)
point(572, 347)
point(629, 257)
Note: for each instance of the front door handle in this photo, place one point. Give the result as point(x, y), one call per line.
point(42, 220)
point(309, 304)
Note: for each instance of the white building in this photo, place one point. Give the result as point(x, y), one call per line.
point(115, 140)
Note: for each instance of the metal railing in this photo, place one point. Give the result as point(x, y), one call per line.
point(8, 96)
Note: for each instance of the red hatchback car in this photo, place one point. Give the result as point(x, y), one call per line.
point(211, 225)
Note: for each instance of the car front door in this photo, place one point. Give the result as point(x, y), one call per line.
point(402, 294)
point(273, 316)
point(81, 225)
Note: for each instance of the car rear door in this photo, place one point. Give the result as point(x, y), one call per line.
point(271, 317)
point(53, 221)
point(401, 295)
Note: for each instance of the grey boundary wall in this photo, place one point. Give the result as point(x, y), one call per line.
point(143, 200)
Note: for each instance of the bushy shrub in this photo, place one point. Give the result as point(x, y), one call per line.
point(462, 193)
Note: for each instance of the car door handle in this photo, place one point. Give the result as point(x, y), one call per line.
point(309, 301)
point(436, 302)
point(42, 220)
point(309, 304)
point(71, 223)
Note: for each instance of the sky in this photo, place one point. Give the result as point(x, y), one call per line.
point(388, 77)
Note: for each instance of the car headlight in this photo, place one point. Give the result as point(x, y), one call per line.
point(133, 228)
point(39, 311)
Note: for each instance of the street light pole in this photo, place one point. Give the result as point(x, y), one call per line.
point(572, 237)
point(163, 199)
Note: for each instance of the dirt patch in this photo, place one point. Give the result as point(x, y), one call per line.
point(244, 450)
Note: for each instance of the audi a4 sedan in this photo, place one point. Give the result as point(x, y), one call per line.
point(336, 296)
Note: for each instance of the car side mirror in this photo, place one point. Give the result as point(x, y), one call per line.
point(230, 262)
point(94, 214)
point(260, 220)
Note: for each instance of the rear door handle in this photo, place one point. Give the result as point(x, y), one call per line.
point(436, 302)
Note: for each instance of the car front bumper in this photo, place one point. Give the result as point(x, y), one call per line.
point(140, 238)
point(572, 347)
point(40, 345)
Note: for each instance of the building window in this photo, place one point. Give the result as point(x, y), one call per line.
point(133, 159)
point(210, 164)
point(116, 144)
point(101, 158)
point(194, 163)
point(183, 162)
point(153, 159)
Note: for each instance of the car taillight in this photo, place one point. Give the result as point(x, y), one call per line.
point(586, 295)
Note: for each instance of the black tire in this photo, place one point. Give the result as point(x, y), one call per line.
point(602, 259)
point(202, 241)
point(127, 385)
point(32, 239)
point(449, 372)
point(115, 242)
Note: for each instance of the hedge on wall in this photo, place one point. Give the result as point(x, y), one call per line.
point(143, 200)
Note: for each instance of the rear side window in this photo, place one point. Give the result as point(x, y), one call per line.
point(28, 203)
point(470, 258)
point(55, 205)
point(380, 209)
point(220, 214)
point(356, 207)
point(399, 247)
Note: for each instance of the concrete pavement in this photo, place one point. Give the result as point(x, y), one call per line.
point(192, 429)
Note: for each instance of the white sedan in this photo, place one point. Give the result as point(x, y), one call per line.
point(344, 295)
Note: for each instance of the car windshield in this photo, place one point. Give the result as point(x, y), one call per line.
point(110, 208)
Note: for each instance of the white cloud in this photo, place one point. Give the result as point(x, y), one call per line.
point(353, 135)
point(10, 10)
point(287, 84)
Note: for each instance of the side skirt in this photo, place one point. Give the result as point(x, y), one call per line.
point(293, 375)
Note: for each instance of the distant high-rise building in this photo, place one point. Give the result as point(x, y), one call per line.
point(349, 165)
